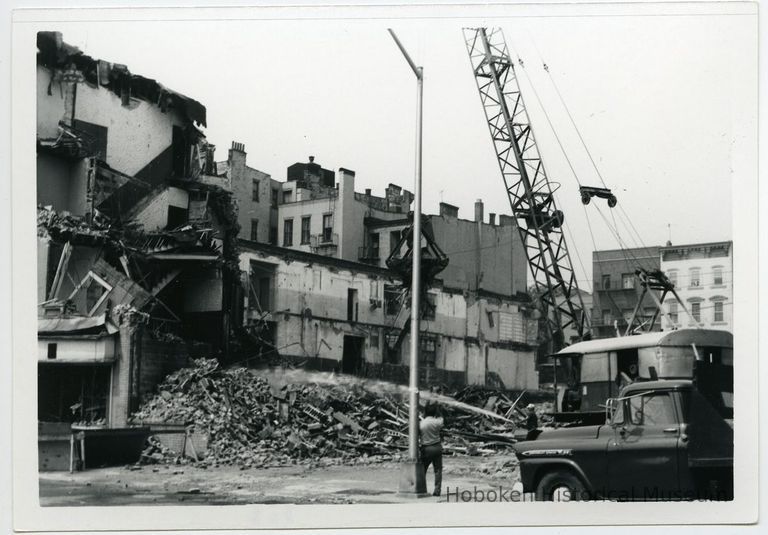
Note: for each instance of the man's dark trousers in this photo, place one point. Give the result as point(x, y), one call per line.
point(433, 454)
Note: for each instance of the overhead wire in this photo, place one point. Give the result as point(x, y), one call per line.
point(586, 149)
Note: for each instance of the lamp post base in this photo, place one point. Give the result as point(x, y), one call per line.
point(413, 481)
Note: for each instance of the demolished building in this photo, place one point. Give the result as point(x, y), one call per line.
point(137, 251)
point(327, 313)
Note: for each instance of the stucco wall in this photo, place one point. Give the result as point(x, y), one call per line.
point(154, 216)
point(61, 184)
point(490, 259)
point(516, 369)
point(136, 133)
point(50, 108)
point(315, 209)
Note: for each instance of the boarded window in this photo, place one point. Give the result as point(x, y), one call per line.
point(511, 327)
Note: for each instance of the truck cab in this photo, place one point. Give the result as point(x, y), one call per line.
point(661, 440)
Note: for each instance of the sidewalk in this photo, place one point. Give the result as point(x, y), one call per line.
point(176, 485)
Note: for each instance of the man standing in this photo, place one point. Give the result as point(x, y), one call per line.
point(431, 447)
point(532, 423)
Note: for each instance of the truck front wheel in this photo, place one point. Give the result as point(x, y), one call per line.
point(560, 486)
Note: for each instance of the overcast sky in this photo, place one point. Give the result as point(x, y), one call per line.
point(663, 103)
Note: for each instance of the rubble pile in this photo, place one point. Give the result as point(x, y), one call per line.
point(255, 421)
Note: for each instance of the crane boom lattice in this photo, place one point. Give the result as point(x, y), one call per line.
point(530, 193)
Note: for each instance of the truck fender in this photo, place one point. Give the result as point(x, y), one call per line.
point(532, 470)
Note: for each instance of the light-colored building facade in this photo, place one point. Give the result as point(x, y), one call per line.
point(335, 314)
point(703, 277)
point(617, 289)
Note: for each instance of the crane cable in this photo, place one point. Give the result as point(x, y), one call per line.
point(543, 109)
point(589, 154)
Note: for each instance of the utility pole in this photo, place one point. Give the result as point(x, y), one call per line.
point(412, 477)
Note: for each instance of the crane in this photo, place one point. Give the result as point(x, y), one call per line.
point(530, 192)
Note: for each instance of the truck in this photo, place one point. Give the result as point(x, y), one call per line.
point(661, 440)
point(584, 375)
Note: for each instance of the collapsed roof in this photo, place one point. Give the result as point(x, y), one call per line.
point(54, 53)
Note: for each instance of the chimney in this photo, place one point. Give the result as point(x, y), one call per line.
point(479, 211)
point(491, 219)
point(237, 155)
point(367, 192)
point(311, 159)
point(448, 210)
point(505, 220)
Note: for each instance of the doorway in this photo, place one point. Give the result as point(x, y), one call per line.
point(352, 359)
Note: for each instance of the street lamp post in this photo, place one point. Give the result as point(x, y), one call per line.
point(412, 478)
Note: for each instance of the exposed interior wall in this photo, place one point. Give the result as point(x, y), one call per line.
point(516, 369)
point(154, 216)
point(62, 183)
point(137, 133)
point(202, 290)
point(50, 108)
point(310, 306)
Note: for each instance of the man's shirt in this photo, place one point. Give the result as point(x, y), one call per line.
point(430, 428)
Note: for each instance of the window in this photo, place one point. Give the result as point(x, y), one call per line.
point(352, 304)
point(654, 409)
point(695, 277)
point(275, 197)
point(626, 314)
point(255, 190)
point(672, 276)
point(52, 351)
point(673, 311)
point(288, 233)
point(429, 307)
point(374, 245)
point(93, 294)
point(606, 282)
point(287, 196)
point(254, 230)
point(719, 316)
point(95, 137)
point(696, 311)
point(428, 351)
point(717, 276)
point(607, 317)
point(177, 217)
point(391, 300)
point(394, 239)
point(305, 230)
point(327, 227)
point(628, 281)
